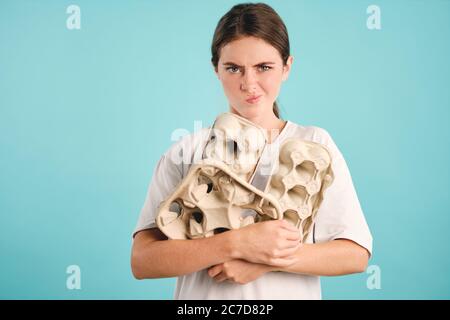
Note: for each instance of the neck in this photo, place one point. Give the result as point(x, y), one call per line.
point(270, 123)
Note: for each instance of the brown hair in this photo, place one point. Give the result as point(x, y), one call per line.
point(251, 19)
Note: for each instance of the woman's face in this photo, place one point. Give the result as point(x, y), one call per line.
point(251, 72)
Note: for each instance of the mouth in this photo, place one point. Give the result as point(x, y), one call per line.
point(253, 99)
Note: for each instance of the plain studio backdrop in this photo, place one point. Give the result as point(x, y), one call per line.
point(85, 114)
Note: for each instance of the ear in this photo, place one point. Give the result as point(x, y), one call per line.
point(287, 68)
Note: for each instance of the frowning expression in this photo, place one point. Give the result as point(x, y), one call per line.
point(251, 71)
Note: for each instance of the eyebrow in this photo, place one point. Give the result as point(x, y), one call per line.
point(228, 63)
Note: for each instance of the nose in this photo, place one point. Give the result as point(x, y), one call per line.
point(249, 82)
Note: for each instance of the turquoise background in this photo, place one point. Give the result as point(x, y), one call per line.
point(86, 114)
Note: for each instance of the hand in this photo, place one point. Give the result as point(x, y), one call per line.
point(272, 243)
point(237, 271)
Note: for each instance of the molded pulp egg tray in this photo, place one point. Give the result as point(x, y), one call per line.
point(217, 194)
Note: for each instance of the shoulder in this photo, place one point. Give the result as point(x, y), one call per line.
point(185, 150)
point(310, 133)
point(189, 142)
point(315, 134)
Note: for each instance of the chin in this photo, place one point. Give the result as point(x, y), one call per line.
point(248, 112)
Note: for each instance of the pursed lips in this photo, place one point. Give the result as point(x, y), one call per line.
point(252, 99)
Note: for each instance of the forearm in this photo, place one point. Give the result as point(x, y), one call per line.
point(337, 257)
point(170, 258)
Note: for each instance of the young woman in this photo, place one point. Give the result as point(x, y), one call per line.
point(251, 58)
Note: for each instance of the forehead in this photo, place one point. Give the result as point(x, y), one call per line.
point(249, 50)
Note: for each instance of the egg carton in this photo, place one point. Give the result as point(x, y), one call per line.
point(237, 142)
point(303, 174)
point(212, 199)
point(216, 195)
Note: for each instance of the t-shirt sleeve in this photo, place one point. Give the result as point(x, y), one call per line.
point(340, 214)
point(166, 177)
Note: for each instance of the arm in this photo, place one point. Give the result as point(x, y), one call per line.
point(332, 258)
point(336, 257)
point(153, 256)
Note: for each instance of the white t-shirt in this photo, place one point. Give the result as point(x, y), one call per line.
point(339, 216)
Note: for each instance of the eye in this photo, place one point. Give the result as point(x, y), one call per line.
point(264, 68)
point(233, 69)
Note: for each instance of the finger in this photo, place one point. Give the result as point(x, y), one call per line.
point(214, 271)
point(289, 244)
point(289, 251)
point(288, 226)
point(290, 238)
point(286, 244)
point(292, 235)
point(220, 277)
